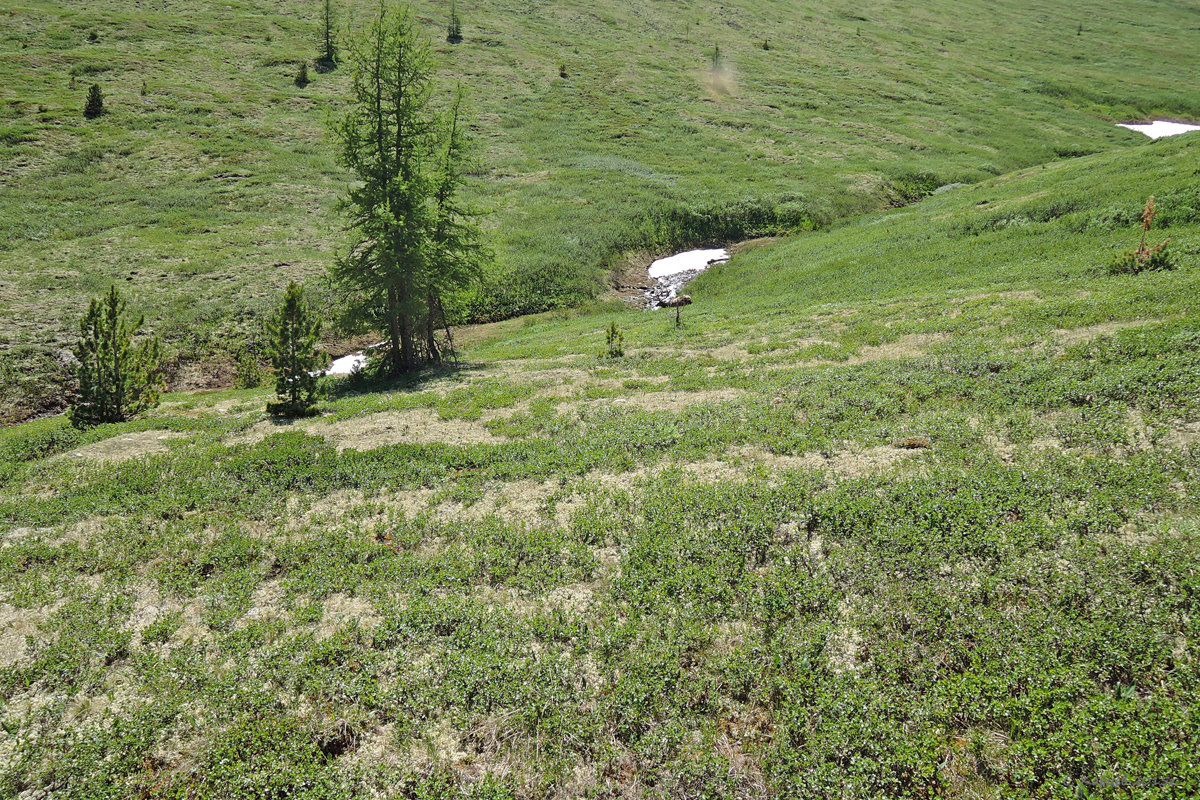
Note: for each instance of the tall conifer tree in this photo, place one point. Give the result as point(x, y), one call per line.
point(410, 235)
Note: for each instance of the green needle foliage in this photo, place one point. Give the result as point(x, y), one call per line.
point(293, 332)
point(94, 105)
point(614, 340)
point(116, 379)
point(413, 242)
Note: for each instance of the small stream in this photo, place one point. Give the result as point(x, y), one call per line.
point(672, 273)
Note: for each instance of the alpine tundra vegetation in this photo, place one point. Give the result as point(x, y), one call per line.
point(906, 508)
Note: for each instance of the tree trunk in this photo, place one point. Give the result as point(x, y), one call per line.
point(434, 356)
point(406, 343)
point(394, 332)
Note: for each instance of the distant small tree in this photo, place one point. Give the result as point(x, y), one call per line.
point(454, 27)
point(116, 379)
point(327, 60)
point(302, 75)
point(94, 106)
point(292, 338)
point(615, 341)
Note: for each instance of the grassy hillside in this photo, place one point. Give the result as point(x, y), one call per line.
point(906, 509)
point(211, 181)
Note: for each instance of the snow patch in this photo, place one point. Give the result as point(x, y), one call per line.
point(672, 273)
point(691, 261)
point(1160, 128)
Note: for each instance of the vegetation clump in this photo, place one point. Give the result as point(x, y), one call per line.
point(1144, 257)
point(249, 372)
point(293, 333)
point(116, 379)
point(614, 341)
point(302, 75)
point(94, 105)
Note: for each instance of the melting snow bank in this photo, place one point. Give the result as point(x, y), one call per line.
point(348, 364)
point(675, 272)
point(1160, 128)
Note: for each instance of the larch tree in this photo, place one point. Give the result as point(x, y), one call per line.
point(327, 60)
point(413, 242)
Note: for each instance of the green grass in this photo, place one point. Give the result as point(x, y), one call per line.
point(906, 508)
point(211, 190)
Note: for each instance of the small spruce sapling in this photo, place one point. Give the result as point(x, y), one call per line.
point(615, 341)
point(94, 106)
point(454, 27)
point(116, 378)
point(292, 346)
point(327, 60)
point(302, 75)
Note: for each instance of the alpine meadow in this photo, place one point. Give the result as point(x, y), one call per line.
point(359, 441)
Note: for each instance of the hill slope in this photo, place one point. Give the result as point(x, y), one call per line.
point(210, 182)
point(906, 508)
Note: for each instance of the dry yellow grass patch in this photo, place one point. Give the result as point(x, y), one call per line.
point(341, 609)
point(15, 625)
point(844, 645)
point(911, 345)
point(415, 426)
point(848, 462)
point(126, 446)
point(1070, 336)
point(661, 401)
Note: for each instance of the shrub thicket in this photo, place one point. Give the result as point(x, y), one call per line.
point(249, 372)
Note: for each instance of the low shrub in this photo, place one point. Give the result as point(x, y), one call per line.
point(1144, 258)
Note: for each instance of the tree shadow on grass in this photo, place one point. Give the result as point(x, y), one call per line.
point(374, 379)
